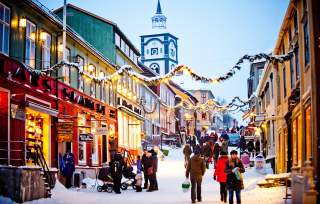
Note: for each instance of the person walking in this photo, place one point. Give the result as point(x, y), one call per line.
point(206, 152)
point(242, 144)
point(234, 168)
point(216, 152)
point(187, 153)
point(69, 167)
point(150, 171)
point(224, 146)
point(116, 168)
point(155, 168)
point(220, 176)
point(145, 168)
point(196, 169)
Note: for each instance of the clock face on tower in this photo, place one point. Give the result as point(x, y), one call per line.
point(172, 53)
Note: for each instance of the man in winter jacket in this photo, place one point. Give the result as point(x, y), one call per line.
point(187, 152)
point(216, 152)
point(233, 169)
point(220, 176)
point(69, 167)
point(206, 152)
point(196, 169)
point(144, 167)
point(116, 167)
point(155, 168)
point(149, 165)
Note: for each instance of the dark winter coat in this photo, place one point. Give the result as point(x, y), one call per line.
point(232, 182)
point(116, 166)
point(242, 143)
point(224, 146)
point(155, 162)
point(220, 167)
point(144, 159)
point(250, 146)
point(196, 167)
point(187, 151)
point(206, 150)
point(216, 150)
point(69, 164)
point(139, 166)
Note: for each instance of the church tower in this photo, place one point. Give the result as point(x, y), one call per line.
point(159, 51)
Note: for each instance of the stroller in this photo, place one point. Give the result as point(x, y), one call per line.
point(105, 176)
point(130, 178)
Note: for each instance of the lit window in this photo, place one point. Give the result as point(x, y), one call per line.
point(30, 51)
point(4, 28)
point(46, 47)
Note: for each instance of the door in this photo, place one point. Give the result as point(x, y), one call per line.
point(104, 147)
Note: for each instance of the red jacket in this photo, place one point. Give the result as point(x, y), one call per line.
point(220, 167)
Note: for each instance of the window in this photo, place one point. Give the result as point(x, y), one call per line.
point(117, 39)
point(80, 61)
point(46, 47)
point(82, 145)
point(204, 116)
point(306, 43)
point(95, 149)
point(291, 73)
point(4, 28)
point(295, 22)
point(278, 90)
point(267, 92)
point(271, 84)
point(309, 142)
point(296, 58)
point(284, 82)
point(147, 51)
point(30, 52)
point(203, 97)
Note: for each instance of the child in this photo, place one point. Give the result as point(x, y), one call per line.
point(139, 175)
point(221, 176)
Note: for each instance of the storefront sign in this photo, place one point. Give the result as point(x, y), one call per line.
point(64, 131)
point(17, 113)
point(102, 131)
point(81, 100)
point(86, 137)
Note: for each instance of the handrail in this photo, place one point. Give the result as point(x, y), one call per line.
point(40, 160)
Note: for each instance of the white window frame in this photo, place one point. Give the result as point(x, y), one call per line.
point(46, 51)
point(5, 25)
point(28, 60)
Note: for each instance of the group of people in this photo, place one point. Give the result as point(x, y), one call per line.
point(146, 165)
point(227, 170)
point(250, 146)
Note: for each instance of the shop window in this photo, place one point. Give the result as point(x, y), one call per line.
point(82, 145)
point(94, 156)
point(30, 50)
point(46, 47)
point(37, 133)
point(4, 29)
point(309, 141)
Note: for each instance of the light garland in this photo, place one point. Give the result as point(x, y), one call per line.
point(178, 69)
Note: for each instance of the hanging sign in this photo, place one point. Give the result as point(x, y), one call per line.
point(86, 137)
point(102, 131)
point(64, 132)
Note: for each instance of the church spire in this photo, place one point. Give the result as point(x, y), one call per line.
point(159, 11)
point(159, 20)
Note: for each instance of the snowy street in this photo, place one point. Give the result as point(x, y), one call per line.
point(170, 176)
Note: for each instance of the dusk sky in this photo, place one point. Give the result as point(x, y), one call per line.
point(213, 34)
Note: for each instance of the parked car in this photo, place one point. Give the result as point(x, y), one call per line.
point(234, 139)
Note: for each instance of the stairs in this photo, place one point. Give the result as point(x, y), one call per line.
point(45, 171)
point(126, 153)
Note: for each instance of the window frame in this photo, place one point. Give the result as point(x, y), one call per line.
point(28, 60)
point(8, 24)
point(44, 47)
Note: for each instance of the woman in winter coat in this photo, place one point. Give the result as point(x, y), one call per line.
point(220, 176)
point(187, 152)
point(216, 152)
point(234, 168)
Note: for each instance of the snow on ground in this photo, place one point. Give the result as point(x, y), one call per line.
point(170, 177)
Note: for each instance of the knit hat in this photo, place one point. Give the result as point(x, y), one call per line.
point(233, 152)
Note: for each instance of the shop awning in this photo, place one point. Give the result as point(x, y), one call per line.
point(43, 109)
